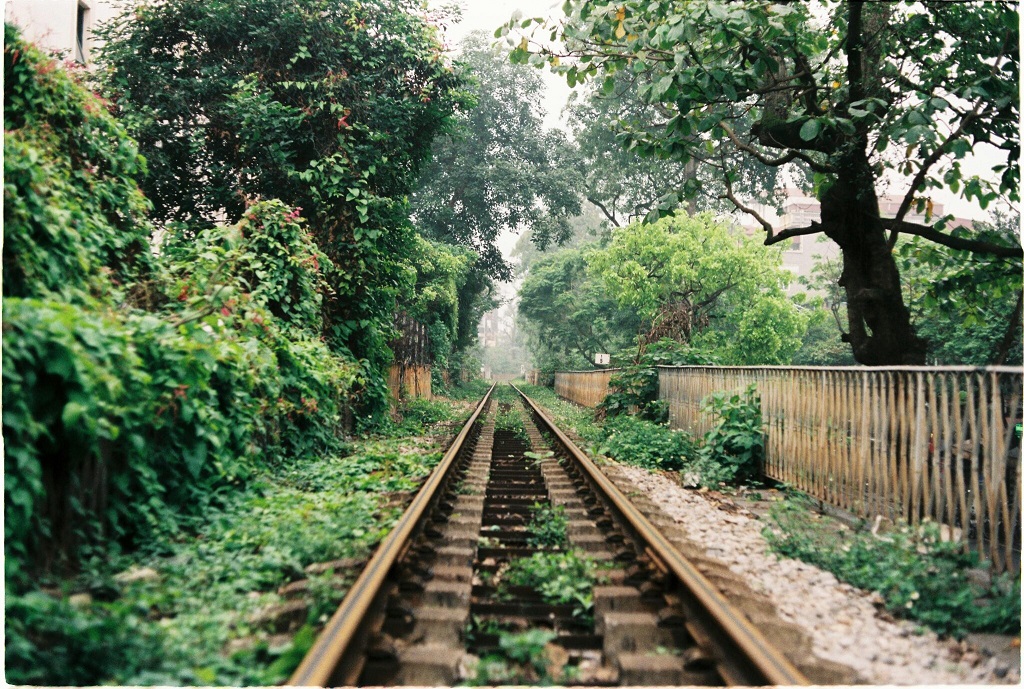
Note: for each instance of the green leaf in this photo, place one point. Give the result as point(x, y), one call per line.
point(810, 129)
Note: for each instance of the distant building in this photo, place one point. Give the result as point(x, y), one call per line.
point(63, 26)
point(489, 329)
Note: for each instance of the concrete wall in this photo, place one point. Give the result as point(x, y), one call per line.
point(53, 24)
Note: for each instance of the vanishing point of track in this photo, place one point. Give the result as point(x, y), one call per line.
point(425, 600)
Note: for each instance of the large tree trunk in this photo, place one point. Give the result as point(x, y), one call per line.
point(880, 329)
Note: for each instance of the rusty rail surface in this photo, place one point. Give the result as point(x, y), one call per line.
point(917, 444)
point(337, 655)
point(743, 655)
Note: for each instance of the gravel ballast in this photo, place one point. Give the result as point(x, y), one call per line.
point(842, 620)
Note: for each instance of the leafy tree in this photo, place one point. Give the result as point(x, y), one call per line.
point(569, 315)
point(498, 170)
point(847, 91)
point(328, 106)
point(626, 186)
point(968, 305)
point(693, 280)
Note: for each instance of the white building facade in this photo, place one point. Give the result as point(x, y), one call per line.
point(63, 26)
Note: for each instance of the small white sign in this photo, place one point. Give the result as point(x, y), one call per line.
point(602, 359)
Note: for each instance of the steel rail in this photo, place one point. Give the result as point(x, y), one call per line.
point(742, 653)
point(332, 656)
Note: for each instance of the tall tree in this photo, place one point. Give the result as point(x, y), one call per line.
point(330, 106)
point(498, 170)
point(847, 91)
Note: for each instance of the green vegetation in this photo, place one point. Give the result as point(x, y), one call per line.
point(692, 279)
point(497, 169)
point(561, 578)
point(818, 90)
point(329, 107)
point(568, 315)
point(511, 421)
point(568, 416)
point(521, 660)
point(734, 449)
point(634, 389)
point(196, 619)
point(140, 389)
point(548, 526)
point(178, 414)
point(919, 575)
point(646, 444)
point(718, 294)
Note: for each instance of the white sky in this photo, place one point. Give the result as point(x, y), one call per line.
point(488, 15)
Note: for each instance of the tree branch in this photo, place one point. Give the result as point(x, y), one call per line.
point(813, 228)
point(927, 164)
point(773, 162)
point(958, 243)
point(603, 209)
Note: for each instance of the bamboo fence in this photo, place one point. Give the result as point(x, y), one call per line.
point(908, 443)
point(587, 388)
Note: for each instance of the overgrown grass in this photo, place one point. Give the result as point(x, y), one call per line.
point(194, 621)
point(920, 576)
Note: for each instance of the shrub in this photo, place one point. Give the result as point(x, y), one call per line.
point(734, 449)
point(634, 390)
point(646, 444)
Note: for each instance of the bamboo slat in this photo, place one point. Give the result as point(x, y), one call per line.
point(917, 443)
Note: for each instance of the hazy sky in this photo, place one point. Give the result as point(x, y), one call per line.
point(488, 15)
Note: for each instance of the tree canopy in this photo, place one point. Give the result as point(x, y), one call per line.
point(329, 106)
point(498, 169)
point(692, 279)
point(568, 315)
point(848, 92)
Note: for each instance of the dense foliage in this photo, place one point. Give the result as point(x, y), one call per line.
point(963, 324)
point(687, 279)
point(634, 389)
point(845, 92)
point(693, 280)
point(450, 293)
point(136, 387)
point(330, 107)
point(75, 219)
point(195, 619)
point(568, 315)
point(646, 444)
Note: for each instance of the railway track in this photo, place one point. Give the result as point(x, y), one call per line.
point(480, 581)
